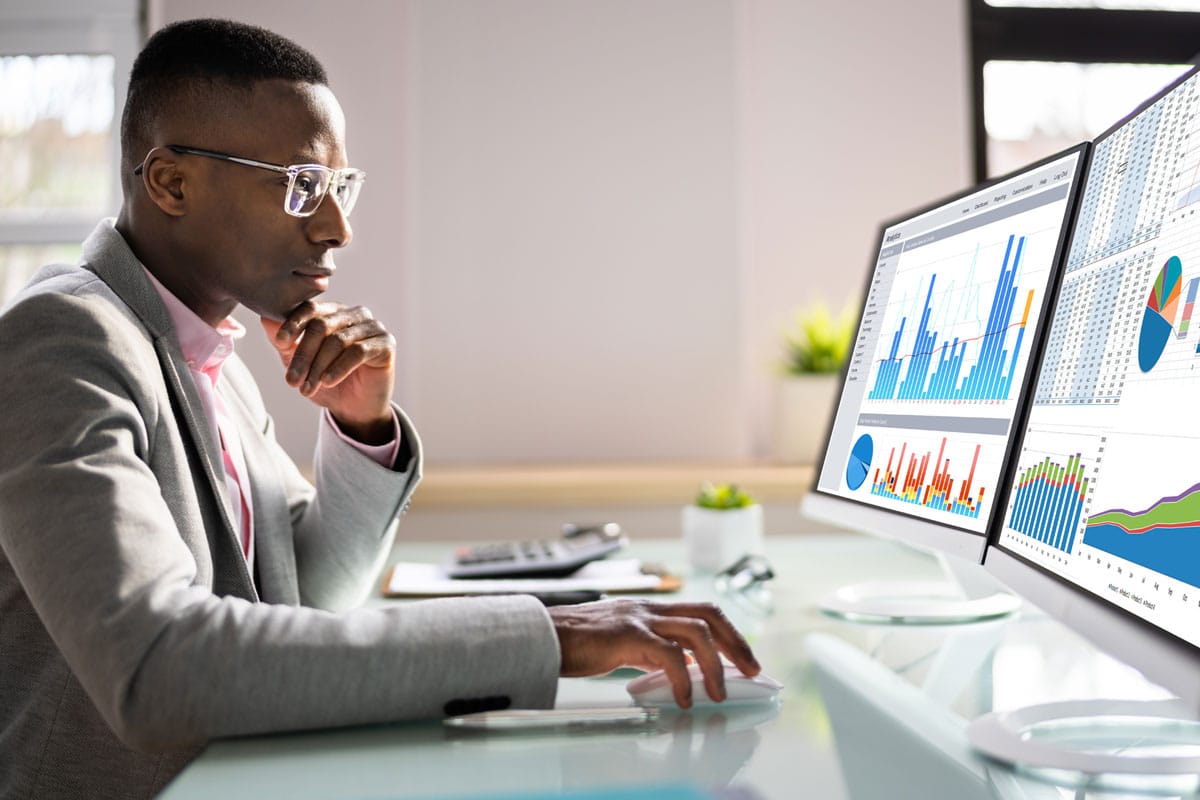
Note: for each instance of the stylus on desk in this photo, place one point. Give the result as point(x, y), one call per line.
point(511, 719)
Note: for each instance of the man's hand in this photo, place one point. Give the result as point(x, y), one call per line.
point(342, 359)
point(599, 637)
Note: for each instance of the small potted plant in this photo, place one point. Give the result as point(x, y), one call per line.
point(720, 526)
point(815, 348)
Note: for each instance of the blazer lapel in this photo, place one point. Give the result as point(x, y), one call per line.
point(106, 254)
point(274, 549)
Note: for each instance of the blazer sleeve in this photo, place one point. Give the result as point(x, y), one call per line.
point(93, 544)
point(342, 530)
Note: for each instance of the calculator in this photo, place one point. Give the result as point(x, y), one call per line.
point(541, 558)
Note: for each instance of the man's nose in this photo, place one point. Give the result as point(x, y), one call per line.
point(328, 224)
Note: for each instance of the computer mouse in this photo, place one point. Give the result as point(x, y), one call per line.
point(654, 688)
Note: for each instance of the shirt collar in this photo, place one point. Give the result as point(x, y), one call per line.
point(204, 347)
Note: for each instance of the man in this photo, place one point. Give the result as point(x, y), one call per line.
point(166, 574)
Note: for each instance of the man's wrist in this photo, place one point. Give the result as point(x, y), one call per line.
point(374, 433)
point(386, 454)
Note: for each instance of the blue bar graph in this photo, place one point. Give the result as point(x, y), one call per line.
point(934, 369)
point(1048, 502)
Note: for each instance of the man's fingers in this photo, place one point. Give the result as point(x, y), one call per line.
point(595, 637)
point(671, 661)
point(696, 636)
point(306, 351)
point(343, 352)
point(325, 333)
point(289, 331)
point(726, 637)
point(342, 359)
point(284, 349)
point(335, 315)
point(271, 327)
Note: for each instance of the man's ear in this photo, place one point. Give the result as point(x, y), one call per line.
point(164, 181)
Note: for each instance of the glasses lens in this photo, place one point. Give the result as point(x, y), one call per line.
point(747, 571)
point(345, 189)
point(306, 190)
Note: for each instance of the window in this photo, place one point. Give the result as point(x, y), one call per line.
point(62, 80)
point(1048, 74)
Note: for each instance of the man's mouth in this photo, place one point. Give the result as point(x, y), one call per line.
point(316, 275)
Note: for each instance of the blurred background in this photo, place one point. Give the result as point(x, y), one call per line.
point(601, 228)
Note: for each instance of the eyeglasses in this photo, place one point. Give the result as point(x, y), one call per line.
point(307, 183)
point(747, 572)
point(746, 582)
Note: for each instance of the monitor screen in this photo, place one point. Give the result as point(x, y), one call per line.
point(948, 335)
point(1104, 495)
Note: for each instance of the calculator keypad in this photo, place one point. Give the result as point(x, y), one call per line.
point(528, 558)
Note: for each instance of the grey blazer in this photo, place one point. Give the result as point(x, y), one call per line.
point(130, 630)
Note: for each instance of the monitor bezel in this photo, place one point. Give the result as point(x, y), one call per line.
point(910, 526)
point(1045, 588)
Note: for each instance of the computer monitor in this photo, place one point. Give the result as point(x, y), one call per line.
point(1101, 526)
point(936, 380)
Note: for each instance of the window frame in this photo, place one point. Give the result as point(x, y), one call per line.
point(1076, 35)
point(51, 27)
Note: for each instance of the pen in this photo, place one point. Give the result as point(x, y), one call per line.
point(567, 598)
point(555, 718)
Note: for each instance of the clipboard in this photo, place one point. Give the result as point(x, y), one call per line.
point(612, 576)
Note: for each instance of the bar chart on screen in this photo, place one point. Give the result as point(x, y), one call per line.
point(940, 478)
point(959, 345)
point(1052, 490)
point(1048, 501)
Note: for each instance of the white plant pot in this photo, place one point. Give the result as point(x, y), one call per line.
point(715, 538)
point(802, 409)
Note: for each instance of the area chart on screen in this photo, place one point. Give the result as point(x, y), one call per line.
point(1164, 536)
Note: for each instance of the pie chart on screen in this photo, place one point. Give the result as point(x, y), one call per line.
point(1158, 320)
point(860, 461)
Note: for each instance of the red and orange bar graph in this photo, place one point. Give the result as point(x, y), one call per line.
point(938, 492)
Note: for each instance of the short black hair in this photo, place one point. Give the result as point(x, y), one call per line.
point(194, 54)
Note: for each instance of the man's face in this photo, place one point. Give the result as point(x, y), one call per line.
point(242, 247)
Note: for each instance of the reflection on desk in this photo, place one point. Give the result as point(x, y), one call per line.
point(891, 733)
point(831, 738)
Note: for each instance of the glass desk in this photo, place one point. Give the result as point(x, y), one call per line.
point(867, 711)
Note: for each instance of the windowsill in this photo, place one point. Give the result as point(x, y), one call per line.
point(573, 485)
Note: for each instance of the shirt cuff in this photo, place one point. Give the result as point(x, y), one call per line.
point(382, 454)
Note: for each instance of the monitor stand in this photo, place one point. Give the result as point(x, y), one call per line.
point(1119, 745)
point(884, 724)
point(972, 596)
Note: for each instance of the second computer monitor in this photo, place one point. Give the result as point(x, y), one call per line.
point(1102, 524)
point(935, 383)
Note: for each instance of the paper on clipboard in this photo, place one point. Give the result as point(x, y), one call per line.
point(408, 579)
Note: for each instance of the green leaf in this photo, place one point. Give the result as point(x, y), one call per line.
point(817, 342)
point(722, 496)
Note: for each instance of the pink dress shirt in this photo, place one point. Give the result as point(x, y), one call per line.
point(205, 349)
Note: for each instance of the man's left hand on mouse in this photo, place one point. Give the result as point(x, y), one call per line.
point(342, 359)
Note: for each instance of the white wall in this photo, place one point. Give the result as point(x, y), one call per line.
point(587, 221)
point(573, 198)
point(850, 113)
